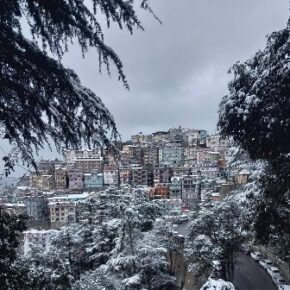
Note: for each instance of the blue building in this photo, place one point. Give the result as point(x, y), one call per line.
point(94, 180)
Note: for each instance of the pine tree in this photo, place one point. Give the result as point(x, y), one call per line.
point(128, 250)
point(214, 234)
point(256, 112)
point(11, 226)
point(40, 98)
point(256, 115)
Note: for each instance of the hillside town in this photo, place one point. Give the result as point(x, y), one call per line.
point(184, 173)
point(177, 165)
point(85, 205)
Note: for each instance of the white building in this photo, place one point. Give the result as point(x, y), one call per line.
point(111, 177)
point(71, 155)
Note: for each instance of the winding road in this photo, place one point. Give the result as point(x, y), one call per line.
point(248, 275)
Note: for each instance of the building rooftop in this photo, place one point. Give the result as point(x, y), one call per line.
point(69, 197)
point(13, 204)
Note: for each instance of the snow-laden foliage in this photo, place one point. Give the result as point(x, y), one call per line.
point(272, 210)
point(256, 115)
point(96, 279)
point(264, 217)
point(256, 112)
point(41, 100)
point(217, 285)
point(11, 227)
point(214, 234)
point(139, 257)
point(126, 249)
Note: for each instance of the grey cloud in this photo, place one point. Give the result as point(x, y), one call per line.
point(178, 71)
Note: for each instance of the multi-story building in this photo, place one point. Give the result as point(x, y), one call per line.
point(61, 178)
point(162, 174)
point(94, 180)
point(62, 209)
point(190, 155)
point(75, 178)
point(46, 165)
point(189, 188)
point(126, 157)
point(35, 180)
point(192, 137)
point(89, 163)
point(134, 152)
point(142, 175)
point(195, 137)
point(111, 177)
point(71, 155)
point(47, 182)
point(206, 170)
point(176, 135)
point(216, 143)
point(171, 154)
point(175, 187)
point(41, 181)
point(125, 175)
point(40, 239)
point(160, 137)
point(151, 155)
point(202, 135)
point(61, 213)
point(202, 155)
point(140, 139)
point(208, 156)
point(181, 171)
point(160, 191)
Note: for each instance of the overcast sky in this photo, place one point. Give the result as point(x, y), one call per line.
point(178, 71)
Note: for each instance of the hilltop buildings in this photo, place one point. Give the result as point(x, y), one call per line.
point(177, 164)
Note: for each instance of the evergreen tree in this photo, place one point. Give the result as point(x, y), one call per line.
point(214, 234)
point(256, 114)
point(40, 98)
point(11, 226)
point(123, 251)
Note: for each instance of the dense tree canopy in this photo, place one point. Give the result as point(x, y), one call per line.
point(256, 112)
point(39, 97)
point(121, 252)
point(11, 227)
point(214, 234)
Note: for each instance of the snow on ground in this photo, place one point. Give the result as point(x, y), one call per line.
point(217, 285)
